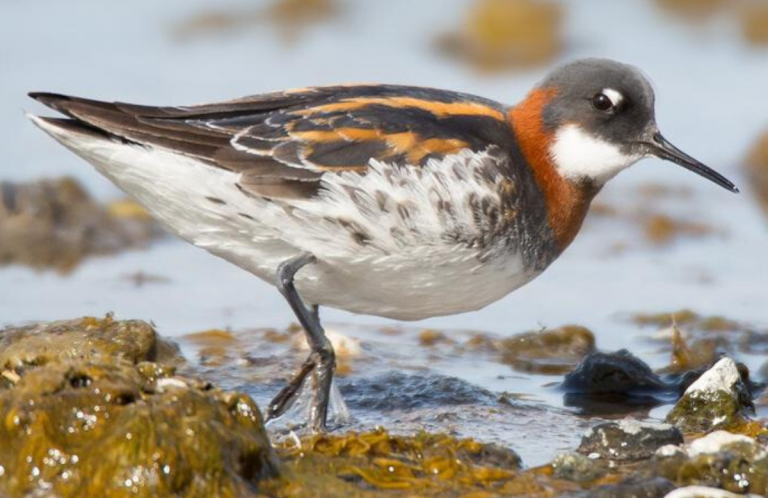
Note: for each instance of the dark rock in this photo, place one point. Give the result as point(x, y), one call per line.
point(717, 399)
point(89, 412)
point(615, 383)
point(632, 487)
point(613, 373)
point(628, 439)
point(554, 351)
point(398, 391)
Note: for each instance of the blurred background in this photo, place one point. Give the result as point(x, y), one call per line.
point(658, 239)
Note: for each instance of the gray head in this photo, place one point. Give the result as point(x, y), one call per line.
point(601, 115)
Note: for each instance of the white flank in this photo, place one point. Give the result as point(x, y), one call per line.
point(579, 155)
point(406, 270)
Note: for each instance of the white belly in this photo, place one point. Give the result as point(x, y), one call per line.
point(403, 270)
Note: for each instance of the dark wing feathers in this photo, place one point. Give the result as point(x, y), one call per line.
point(284, 142)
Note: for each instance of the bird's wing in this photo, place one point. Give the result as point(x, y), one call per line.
point(284, 142)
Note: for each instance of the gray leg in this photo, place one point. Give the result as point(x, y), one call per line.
point(321, 359)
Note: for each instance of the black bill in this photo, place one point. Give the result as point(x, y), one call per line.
point(663, 149)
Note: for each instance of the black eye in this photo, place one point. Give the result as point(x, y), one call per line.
point(602, 103)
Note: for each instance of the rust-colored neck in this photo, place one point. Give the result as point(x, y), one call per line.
point(567, 201)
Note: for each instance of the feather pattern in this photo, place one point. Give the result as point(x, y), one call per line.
point(284, 142)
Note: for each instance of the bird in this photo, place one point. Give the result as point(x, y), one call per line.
point(397, 201)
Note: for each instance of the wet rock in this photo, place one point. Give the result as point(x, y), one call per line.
point(56, 224)
point(717, 441)
point(616, 372)
point(703, 492)
point(628, 439)
point(90, 340)
point(632, 487)
point(399, 391)
point(89, 411)
point(554, 351)
point(614, 383)
point(504, 34)
point(577, 468)
point(718, 399)
point(733, 462)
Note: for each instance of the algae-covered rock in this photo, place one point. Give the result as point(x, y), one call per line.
point(382, 464)
point(577, 468)
point(55, 224)
point(732, 462)
point(704, 492)
point(554, 351)
point(628, 439)
point(632, 487)
point(86, 411)
point(504, 34)
point(85, 340)
point(718, 399)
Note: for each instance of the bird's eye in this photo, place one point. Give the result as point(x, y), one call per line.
point(602, 102)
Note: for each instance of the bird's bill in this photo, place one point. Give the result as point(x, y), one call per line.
point(663, 149)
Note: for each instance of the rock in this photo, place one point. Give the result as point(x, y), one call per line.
point(718, 399)
point(577, 468)
point(619, 372)
point(56, 224)
point(506, 34)
point(628, 439)
point(554, 351)
point(614, 383)
point(87, 411)
point(704, 492)
point(89, 340)
point(632, 487)
point(717, 441)
point(399, 391)
point(732, 462)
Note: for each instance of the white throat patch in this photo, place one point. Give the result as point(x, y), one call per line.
point(579, 155)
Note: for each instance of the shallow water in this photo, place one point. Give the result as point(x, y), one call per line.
point(710, 101)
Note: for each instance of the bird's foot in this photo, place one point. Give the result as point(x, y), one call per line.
point(325, 395)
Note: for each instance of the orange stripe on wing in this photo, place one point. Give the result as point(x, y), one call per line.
point(440, 109)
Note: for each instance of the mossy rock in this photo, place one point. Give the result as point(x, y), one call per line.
point(552, 352)
point(718, 399)
point(84, 413)
point(85, 340)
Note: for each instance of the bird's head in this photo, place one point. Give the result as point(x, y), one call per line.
point(599, 118)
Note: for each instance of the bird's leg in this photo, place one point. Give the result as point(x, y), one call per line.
point(321, 359)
